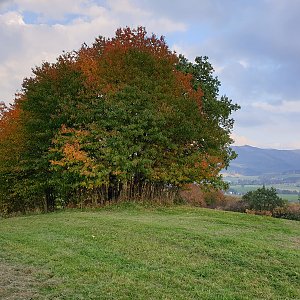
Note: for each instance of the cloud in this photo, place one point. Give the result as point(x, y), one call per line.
point(282, 107)
point(3, 3)
point(127, 7)
point(268, 125)
point(61, 25)
point(253, 45)
point(12, 19)
point(54, 10)
point(241, 140)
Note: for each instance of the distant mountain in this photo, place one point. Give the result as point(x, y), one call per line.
point(257, 161)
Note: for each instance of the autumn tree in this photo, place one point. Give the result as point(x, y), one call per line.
point(125, 117)
point(12, 144)
point(217, 109)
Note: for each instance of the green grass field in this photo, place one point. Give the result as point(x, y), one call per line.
point(289, 197)
point(133, 252)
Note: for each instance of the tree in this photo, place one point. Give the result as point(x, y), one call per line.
point(124, 117)
point(12, 143)
point(217, 110)
point(263, 199)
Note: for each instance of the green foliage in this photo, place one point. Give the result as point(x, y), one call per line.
point(217, 109)
point(263, 199)
point(126, 118)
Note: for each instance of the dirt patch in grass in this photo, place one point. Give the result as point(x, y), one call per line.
point(19, 282)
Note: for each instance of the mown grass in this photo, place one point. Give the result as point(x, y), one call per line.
point(133, 252)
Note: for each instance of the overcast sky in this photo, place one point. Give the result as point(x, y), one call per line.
point(254, 46)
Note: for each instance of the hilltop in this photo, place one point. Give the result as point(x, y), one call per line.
point(133, 252)
point(253, 161)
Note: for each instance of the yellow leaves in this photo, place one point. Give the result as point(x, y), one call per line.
point(72, 152)
point(68, 144)
point(208, 165)
point(78, 132)
point(117, 172)
point(57, 163)
point(165, 108)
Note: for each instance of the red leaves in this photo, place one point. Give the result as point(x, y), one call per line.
point(185, 86)
point(9, 120)
point(12, 136)
point(104, 64)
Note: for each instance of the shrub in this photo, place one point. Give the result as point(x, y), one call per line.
point(258, 212)
point(211, 198)
point(263, 199)
point(214, 198)
point(234, 203)
point(290, 211)
point(192, 194)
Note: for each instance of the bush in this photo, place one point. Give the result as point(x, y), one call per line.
point(211, 198)
point(258, 212)
point(192, 194)
point(263, 199)
point(233, 203)
point(214, 198)
point(290, 211)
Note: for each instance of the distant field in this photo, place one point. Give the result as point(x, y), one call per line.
point(243, 189)
point(290, 198)
point(133, 252)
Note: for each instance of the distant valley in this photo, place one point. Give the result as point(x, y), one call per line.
point(252, 161)
point(255, 167)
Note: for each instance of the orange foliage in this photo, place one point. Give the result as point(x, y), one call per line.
point(185, 86)
point(73, 152)
point(104, 64)
point(12, 139)
point(69, 142)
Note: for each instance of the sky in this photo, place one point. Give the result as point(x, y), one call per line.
point(253, 45)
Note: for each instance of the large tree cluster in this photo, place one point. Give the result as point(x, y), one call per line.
point(123, 118)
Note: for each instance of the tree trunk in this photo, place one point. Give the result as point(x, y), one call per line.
point(50, 199)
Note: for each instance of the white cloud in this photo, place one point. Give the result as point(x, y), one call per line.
point(54, 9)
point(11, 19)
point(244, 63)
point(256, 59)
point(283, 107)
point(127, 7)
point(241, 140)
point(25, 46)
point(167, 25)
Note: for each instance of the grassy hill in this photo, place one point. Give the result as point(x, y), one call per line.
point(133, 252)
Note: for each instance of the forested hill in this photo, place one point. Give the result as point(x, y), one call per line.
point(257, 161)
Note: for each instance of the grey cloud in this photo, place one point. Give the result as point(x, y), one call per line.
point(254, 44)
point(213, 12)
point(3, 3)
point(270, 43)
point(252, 117)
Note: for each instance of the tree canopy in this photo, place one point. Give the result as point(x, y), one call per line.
point(263, 199)
point(125, 117)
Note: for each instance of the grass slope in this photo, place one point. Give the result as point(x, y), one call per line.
point(139, 253)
